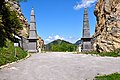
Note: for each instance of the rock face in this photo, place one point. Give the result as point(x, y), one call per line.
point(15, 6)
point(107, 33)
point(40, 43)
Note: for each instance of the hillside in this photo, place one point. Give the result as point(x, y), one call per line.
point(61, 46)
point(8, 55)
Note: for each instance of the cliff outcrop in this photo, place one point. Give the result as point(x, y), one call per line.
point(107, 32)
point(40, 43)
point(24, 31)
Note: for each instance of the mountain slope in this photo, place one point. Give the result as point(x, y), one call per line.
point(61, 46)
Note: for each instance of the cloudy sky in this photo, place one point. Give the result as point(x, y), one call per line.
point(60, 19)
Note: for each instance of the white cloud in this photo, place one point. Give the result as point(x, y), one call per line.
point(47, 40)
point(55, 37)
point(73, 39)
point(50, 37)
point(58, 37)
point(78, 39)
point(85, 4)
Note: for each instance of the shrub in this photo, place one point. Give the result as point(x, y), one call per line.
point(117, 51)
point(7, 53)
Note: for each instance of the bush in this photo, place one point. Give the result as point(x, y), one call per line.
point(7, 53)
point(111, 54)
point(117, 51)
point(91, 52)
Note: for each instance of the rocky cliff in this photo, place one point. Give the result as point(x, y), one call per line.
point(24, 31)
point(40, 43)
point(107, 33)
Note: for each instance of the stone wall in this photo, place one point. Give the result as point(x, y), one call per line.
point(107, 32)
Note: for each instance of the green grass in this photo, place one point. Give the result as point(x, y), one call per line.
point(114, 76)
point(115, 53)
point(7, 53)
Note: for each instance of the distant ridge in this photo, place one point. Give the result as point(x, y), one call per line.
point(78, 42)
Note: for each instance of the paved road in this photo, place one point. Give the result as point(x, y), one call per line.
point(60, 66)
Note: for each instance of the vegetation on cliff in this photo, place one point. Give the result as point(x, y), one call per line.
point(9, 24)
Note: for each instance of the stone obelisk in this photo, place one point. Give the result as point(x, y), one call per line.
point(32, 46)
point(86, 39)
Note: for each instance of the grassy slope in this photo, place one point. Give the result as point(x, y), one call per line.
point(115, 76)
point(7, 53)
point(115, 53)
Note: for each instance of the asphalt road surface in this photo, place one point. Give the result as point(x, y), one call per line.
point(60, 66)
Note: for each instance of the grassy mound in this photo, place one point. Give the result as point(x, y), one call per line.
point(114, 76)
point(7, 53)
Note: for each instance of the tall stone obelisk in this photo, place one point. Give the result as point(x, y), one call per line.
point(86, 39)
point(32, 46)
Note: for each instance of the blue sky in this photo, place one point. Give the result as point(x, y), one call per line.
point(60, 19)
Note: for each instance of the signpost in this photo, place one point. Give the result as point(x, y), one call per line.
point(15, 45)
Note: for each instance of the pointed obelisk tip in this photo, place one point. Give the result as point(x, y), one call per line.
point(32, 11)
point(32, 8)
point(86, 8)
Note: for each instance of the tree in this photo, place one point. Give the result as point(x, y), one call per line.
point(71, 48)
point(9, 22)
point(63, 47)
point(55, 47)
